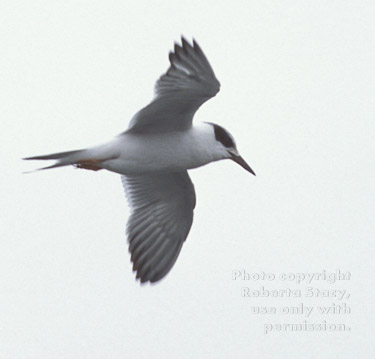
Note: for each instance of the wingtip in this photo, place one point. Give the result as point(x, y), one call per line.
point(139, 279)
point(197, 48)
point(142, 278)
point(177, 49)
point(170, 56)
point(185, 44)
point(184, 41)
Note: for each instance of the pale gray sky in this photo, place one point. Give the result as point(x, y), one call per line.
point(298, 84)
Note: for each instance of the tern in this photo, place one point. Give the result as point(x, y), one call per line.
point(153, 156)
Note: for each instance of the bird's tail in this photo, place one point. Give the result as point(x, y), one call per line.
point(62, 158)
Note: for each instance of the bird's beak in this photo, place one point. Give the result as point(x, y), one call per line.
point(238, 159)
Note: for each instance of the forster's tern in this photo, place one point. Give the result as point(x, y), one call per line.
point(153, 156)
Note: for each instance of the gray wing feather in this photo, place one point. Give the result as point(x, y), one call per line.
point(188, 83)
point(161, 217)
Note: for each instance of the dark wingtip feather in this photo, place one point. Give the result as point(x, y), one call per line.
point(177, 47)
point(171, 57)
point(185, 44)
point(198, 49)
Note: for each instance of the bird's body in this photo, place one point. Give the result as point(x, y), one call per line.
point(133, 154)
point(153, 157)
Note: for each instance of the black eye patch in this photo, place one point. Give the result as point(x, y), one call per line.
point(222, 136)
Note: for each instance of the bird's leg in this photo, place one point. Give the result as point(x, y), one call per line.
point(90, 164)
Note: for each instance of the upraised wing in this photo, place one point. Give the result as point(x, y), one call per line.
point(188, 83)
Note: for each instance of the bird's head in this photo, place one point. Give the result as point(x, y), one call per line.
point(227, 146)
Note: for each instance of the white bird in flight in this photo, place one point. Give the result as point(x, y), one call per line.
point(153, 156)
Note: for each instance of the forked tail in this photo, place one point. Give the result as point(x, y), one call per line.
point(62, 158)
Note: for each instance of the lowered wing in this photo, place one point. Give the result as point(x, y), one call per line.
point(161, 216)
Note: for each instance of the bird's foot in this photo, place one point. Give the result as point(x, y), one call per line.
point(92, 164)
